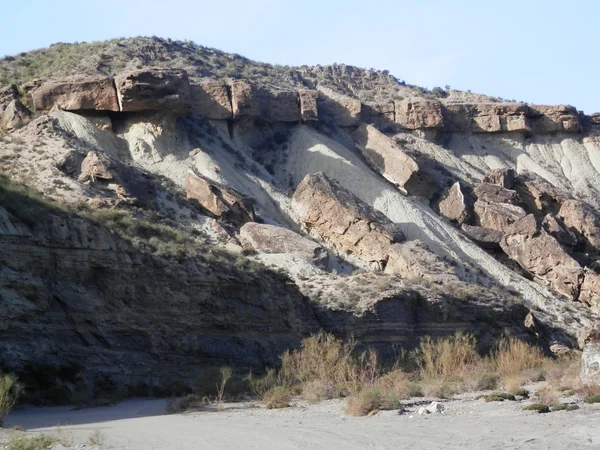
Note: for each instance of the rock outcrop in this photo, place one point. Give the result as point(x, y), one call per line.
point(95, 165)
point(272, 239)
point(335, 215)
point(153, 90)
point(343, 110)
point(384, 156)
point(284, 106)
point(541, 255)
point(14, 116)
point(417, 113)
point(457, 205)
point(484, 237)
point(501, 177)
point(497, 216)
point(590, 364)
point(581, 219)
point(486, 117)
point(555, 119)
point(211, 100)
point(219, 200)
point(414, 259)
point(77, 93)
point(309, 112)
point(248, 100)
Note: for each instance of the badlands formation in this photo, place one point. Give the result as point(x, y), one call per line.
point(161, 216)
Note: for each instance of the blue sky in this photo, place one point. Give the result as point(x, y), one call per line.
point(539, 51)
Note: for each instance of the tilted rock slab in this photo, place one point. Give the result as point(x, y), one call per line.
point(153, 89)
point(501, 177)
point(332, 213)
point(272, 239)
point(14, 116)
point(541, 255)
point(77, 93)
point(308, 105)
point(581, 218)
point(219, 200)
point(457, 205)
point(384, 156)
point(484, 237)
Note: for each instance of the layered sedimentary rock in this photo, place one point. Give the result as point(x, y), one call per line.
point(384, 156)
point(416, 113)
point(457, 205)
point(77, 93)
point(348, 224)
point(284, 106)
point(486, 117)
point(248, 100)
point(379, 114)
point(555, 119)
point(211, 99)
point(219, 200)
point(345, 111)
point(272, 239)
point(153, 89)
point(415, 260)
point(308, 105)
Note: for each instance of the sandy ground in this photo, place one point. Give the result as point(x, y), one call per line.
point(466, 424)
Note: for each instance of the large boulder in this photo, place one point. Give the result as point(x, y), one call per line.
point(542, 256)
point(501, 177)
point(582, 219)
point(211, 99)
point(332, 213)
point(345, 111)
point(414, 113)
point(153, 89)
point(308, 105)
point(219, 200)
point(95, 165)
point(415, 260)
point(384, 156)
point(14, 116)
point(484, 237)
point(248, 100)
point(78, 92)
point(556, 228)
point(496, 194)
point(497, 216)
point(590, 364)
point(380, 114)
point(272, 239)
point(457, 205)
point(538, 195)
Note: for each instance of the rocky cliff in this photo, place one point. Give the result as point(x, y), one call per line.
point(168, 197)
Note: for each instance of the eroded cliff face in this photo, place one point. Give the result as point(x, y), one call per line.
point(465, 214)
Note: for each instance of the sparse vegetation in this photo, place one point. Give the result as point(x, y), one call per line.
point(565, 407)
point(42, 442)
point(537, 407)
point(593, 399)
point(10, 391)
point(499, 397)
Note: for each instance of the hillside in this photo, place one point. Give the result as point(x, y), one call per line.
point(167, 208)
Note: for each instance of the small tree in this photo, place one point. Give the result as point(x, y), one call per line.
point(10, 391)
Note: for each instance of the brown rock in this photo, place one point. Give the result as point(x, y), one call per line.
point(95, 165)
point(248, 100)
point(271, 239)
point(486, 117)
point(379, 114)
point(417, 113)
point(555, 228)
point(153, 89)
point(384, 156)
point(308, 105)
point(501, 177)
point(337, 216)
point(222, 201)
point(7, 95)
point(555, 119)
point(589, 291)
point(497, 216)
point(496, 194)
point(14, 116)
point(77, 93)
point(284, 106)
point(583, 220)
point(484, 237)
point(457, 205)
point(538, 196)
point(542, 256)
point(344, 110)
point(415, 260)
point(211, 99)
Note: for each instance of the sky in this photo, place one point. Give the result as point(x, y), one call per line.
point(538, 51)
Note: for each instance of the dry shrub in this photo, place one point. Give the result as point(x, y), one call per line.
point(363, 402)
point(589, 390)
point(440, 388)
point(10, 391)
point(401, 384)
point(318, 390)
point(447, 358)
point(513, 383)
point(485, 381)
point(564, 372)
point(278, 397)
point(515, 357)
point(547, 396)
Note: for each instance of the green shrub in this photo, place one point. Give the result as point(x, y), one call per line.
point(521, 392)
point(593, 399)
point(498, 397)
point(31, 443)
point(278, 397)
point(565, 407)
point(538, 407)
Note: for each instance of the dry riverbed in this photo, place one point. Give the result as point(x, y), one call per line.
point(467, 422)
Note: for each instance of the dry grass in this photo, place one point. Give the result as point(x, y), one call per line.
point(278, 397)
point(447, 359)
point(10, 391)
point(371, 399)
point(547, 396)
point(515, 357)
point(318, 390)
point(42, 442)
